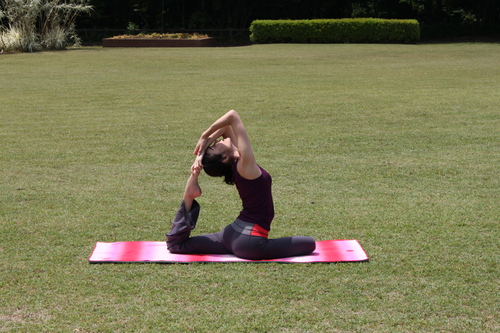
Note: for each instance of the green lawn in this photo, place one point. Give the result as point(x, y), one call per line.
point(397, 146)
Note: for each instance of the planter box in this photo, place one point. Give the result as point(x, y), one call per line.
point(158, 42)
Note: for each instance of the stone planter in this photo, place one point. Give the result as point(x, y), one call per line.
point(158, 42)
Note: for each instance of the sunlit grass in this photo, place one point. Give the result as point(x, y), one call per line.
point(394, 145)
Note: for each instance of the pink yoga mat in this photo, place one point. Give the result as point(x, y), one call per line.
point(340, 250)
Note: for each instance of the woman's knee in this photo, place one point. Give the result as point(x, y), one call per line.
point(309, 244)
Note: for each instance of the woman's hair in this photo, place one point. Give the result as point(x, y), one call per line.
point(213, 166)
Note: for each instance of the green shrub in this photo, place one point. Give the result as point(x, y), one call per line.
point(362, 30)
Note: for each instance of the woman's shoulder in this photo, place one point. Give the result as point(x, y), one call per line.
point(253, 175)
point(248, 170)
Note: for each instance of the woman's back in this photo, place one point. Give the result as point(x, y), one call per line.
point(256, 196)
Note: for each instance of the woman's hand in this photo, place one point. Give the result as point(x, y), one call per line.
point(206, 140)
point(197, 165)
point(221, 127)
point(202, 144)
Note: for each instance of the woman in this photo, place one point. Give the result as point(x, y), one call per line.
point(232, 157)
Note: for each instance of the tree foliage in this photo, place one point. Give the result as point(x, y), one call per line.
point(223, 14)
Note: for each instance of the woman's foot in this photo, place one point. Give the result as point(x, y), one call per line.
point(193, 189)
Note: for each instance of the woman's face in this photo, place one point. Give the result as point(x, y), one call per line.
point(223, 147)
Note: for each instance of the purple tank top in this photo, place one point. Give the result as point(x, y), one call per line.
point(256, 198)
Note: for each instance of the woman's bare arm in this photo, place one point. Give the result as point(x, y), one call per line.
point(225, 132)
point(247, 165)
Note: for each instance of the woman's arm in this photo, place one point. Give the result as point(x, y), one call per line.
point(225, 132)
point(247, 166)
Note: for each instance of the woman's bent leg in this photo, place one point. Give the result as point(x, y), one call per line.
point(179, 240)
point(255, 247)
point(288, 247)
point(203, 244)
point(239, 239)
point(183, 223)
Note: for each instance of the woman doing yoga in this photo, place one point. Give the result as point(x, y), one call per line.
point(232, 157)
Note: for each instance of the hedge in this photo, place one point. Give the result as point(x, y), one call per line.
point(361, 30)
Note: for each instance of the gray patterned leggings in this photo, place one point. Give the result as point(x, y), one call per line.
point(243, 239)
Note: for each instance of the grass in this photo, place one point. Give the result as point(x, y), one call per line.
point(394, 145)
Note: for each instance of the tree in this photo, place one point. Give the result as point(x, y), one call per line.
point(238, 14)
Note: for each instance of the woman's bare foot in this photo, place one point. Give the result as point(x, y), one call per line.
point(193, 189)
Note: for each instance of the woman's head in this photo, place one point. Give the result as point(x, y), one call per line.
point(215, 165)
point(219, 158)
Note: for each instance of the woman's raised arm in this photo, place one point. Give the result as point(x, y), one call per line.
point(247, 166)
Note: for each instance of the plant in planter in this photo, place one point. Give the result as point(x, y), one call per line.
point(163, 35)
point(159, 40)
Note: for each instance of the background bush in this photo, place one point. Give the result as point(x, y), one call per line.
point(364, 30)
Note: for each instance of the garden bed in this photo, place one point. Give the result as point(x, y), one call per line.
point(159, 40)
